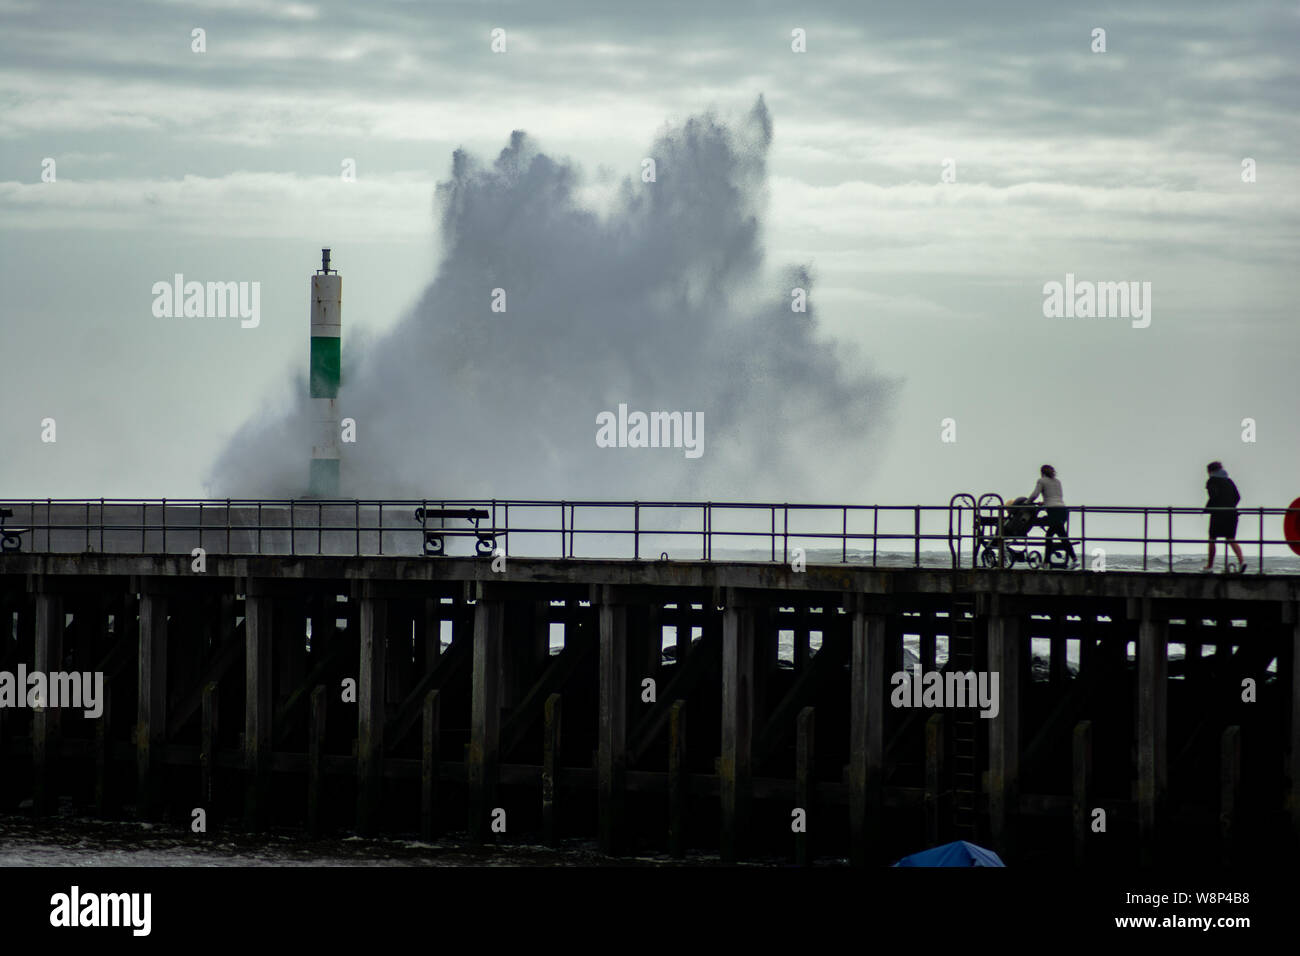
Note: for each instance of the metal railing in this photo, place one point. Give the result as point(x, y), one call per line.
point(1155, 538)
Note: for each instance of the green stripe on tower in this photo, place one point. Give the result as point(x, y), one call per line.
point(325, 364)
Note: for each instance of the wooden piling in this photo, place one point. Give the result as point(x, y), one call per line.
point(678, 788)
point(430, 763)
point(802, 639)
point(929, 628)
point(1081, 807)
point(316, 759)
point(550, 768)
point(104, 750)
point(654, 641)
point(1004, 729)
point(290, 645)
point(151, 726)
point(46, 719)
point(866, 734)
point(258, 610)
point(1229, 792)
point(1056, 669)
point(734, 770)
point(803, 785)
point(1151, 724)
point(370, 710)
point(485, 716)
point(431, 632)
point(934, 766)
point(208, 745)
point(611, 757)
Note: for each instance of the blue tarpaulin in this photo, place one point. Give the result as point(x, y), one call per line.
point(960, 853)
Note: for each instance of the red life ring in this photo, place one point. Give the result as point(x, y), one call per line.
point(1291, 526)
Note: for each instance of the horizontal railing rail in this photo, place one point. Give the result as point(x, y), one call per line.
point(963, 534)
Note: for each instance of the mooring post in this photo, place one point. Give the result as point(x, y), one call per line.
point(370, 708)
point(867, 681)
point(1229, 792)
point(430, 765)
point(677, 780)
point(151, 726)
point(550, 768)
point(485, 712)
point(734, 769)
point(316, 759)
point(208, 745)
point(934, 802)
point(46, 722)
point(1082, 789)
point(1152, 655)
point(611, 753)
point(804, 796)
point(1004, 729)
point(258, 611)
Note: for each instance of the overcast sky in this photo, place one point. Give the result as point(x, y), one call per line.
point(926, 297)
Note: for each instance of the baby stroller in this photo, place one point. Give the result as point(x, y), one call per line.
point(996, 532)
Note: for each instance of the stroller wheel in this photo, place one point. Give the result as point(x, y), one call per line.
point(989, 558)
point(1034, 560)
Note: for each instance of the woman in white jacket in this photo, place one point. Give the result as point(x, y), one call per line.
point(1058, 515)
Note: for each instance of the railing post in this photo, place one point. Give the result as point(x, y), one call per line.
point(636, 531)
point(1146, 513)
point(1170, 538)
point(704, 533)
point(1259, 565)
point(916, 536)
point(708, 538)
point(774, 533)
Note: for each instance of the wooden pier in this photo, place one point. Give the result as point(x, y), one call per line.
point(408, 695)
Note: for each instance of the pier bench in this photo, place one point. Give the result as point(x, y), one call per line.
point(10, 538)
point(434, 545)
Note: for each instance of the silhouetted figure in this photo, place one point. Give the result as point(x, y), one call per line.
point(1222, 507)
point(1058, 515)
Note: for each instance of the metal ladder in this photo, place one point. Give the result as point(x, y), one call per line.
point(965, 745)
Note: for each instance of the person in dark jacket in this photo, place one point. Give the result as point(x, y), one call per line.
point(1222, 508)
